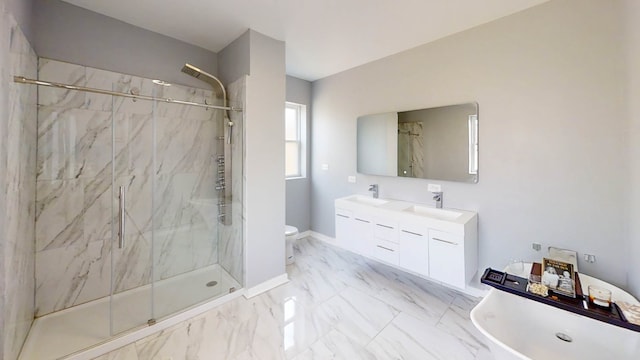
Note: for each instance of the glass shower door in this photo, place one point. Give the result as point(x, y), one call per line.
point(168, 181)
point(189, 140)
point(132, 209)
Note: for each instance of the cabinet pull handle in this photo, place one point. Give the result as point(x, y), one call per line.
point(344, 216)
point(385, 226)
point(411, 232)
point(445, 241)
point(385, 248)
point(364, 221)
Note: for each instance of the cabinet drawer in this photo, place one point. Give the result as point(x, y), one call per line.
point(385, 230)
point(386, 251)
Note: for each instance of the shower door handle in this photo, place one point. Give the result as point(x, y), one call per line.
point(121, 217)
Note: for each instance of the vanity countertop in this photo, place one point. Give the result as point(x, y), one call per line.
point(408, 211)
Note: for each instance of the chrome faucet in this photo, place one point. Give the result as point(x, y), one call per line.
point(437, 196)
point(374, 188)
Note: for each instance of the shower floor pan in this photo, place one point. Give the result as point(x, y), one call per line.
point(66, 334)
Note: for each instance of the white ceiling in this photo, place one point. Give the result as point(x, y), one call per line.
point(323, 37)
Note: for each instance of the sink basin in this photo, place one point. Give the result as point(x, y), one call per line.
point(366, 200)
point(433, 212)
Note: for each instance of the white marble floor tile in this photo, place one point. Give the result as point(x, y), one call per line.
point(181, 342)
point(357, 315)
point(419, 301)
point(261, 326)
point(335, 345)
point(408, 337)
point(284, 328)
point(317, 255)
point(311, 287)
point(368, 277)
point(485, 354)
point(337, 306)
point(455, 324)
point(229, 330)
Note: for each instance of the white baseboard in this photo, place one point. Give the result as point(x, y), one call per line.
point(266, 286)
point(327, 239)
point(323, 237)
point(305, 234)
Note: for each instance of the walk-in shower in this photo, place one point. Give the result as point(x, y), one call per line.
point(133, 222)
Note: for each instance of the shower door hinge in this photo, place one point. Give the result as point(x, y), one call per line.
point(151, 322)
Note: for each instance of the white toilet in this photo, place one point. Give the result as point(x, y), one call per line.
point(290, 235)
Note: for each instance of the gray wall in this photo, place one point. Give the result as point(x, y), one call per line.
point(553, 159)
point(69, 33)
point(632, 11)
point(233, 60)
point(264, 190)
point(298, 191)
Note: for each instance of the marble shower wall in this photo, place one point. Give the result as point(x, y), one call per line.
point(231, 239)
point(76, 205)
point(17, 169)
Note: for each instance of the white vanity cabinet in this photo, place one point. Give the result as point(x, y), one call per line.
point(440, 244)
point(414, 248)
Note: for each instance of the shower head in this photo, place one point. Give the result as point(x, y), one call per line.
point(208, 78)
point(192, 70)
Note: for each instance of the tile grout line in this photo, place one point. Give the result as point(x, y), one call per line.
point(383, 328)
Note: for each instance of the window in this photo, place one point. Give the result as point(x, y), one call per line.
point(294, 141)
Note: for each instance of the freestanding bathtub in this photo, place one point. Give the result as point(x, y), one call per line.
point(519, 328)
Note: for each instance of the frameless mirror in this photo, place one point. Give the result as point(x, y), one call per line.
point(438, 143)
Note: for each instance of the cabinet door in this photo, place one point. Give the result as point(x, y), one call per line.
point(414, 249)
point(363, 234)
point(446, 258)
point(345, 228)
